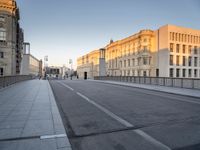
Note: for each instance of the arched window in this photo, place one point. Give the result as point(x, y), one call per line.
point(2, 34)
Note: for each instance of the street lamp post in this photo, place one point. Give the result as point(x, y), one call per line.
point(45, 66)
point(70, 63)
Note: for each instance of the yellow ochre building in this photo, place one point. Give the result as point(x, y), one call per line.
point(170, 51)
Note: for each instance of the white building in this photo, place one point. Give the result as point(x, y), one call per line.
point(170, 51)
point(30, 65)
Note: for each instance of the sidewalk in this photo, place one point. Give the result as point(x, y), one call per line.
point(29, 118)
point(172, 90)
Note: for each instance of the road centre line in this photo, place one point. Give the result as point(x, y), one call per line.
point(127, 124)
point(152, 140)
point(66, 86)
point(109, 113)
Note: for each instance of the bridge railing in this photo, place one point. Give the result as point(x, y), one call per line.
point(192, 83)
point(8, 80)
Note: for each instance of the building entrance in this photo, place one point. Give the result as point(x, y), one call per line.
point(85, 75)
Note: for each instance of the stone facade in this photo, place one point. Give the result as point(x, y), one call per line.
point(179, 52)
point(170, 51)
point(92, 64)
point(30, 65)
point(11, 38)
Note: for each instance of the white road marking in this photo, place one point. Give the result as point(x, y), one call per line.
point(109, 113)
point(152, 140)
point(127, 124)
point(66, 86)
point(52, 136)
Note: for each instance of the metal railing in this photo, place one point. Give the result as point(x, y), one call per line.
point(192, 83)
point(9, 80)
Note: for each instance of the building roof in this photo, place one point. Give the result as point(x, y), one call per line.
point(9, 6)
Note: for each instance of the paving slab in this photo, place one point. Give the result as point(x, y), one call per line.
point(28, 111)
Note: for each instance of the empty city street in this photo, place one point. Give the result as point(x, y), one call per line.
point(100, 116)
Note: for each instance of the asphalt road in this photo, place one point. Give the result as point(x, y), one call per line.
point(100, 116)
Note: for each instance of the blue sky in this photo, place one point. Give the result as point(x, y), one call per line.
point(64, 29)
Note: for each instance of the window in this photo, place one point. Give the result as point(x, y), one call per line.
point(157, 72)
point(177, 73)
point(195, 50)
point(191, 39)
point(195, 72)
point(171, 72)
point(184, 61)
point(1, 71)
point(189, 61)
point(128, 72)
point(190, 49)
point(177, 48)
point(189, 72)
point(177, 61)
point(188, 38)
point(129, 63)
point(144, 73)
point(171, 59)
point(184, 49)
point(145, 48)
point(2, 34)
point(133, 62)
point(172, 36)
point(182, 38)
point(138, 62)
point(145, 61)
point(184, 72)
point(133, 73)
point(124, 63)
point(195, 61)
point(185, 37)
point(2, 19)
point(171, 47)
point(121, 64)
point(1, 55)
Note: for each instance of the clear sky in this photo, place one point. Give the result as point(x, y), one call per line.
point(64, 29)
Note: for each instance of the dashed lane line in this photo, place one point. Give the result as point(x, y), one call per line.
point(109, 113)
point(127, 124)
point(66, 86)
point(152, 140)
point(147, 137)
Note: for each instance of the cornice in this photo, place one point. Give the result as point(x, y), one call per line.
point(9, 6)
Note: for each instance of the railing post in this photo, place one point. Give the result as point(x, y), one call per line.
point(3, 81)
point(164, 81)
point(192, 83)
point(181, 82)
